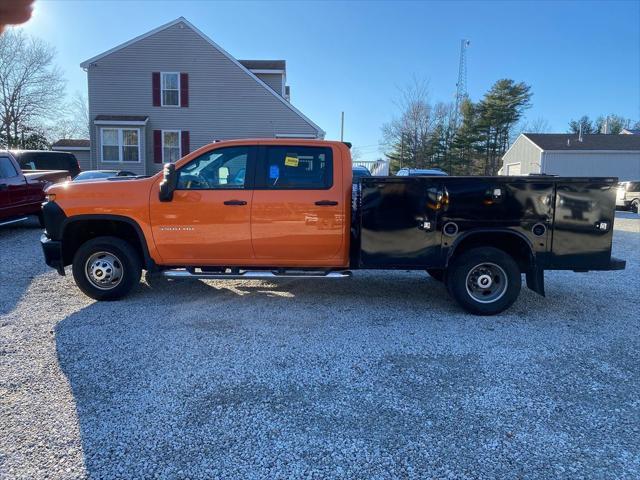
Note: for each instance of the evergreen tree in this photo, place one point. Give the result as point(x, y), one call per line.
point(499, 112)
point(584, 122)
point(611, 124)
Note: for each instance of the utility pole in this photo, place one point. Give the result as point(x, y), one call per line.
point(342, 128)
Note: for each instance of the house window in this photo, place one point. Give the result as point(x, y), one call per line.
point(171, 145)
point(120, 144)
point(110, 145)
point(130, 144)
point(170, 89)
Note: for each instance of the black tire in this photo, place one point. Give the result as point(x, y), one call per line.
point(487, 265)
point(436, 273)
point(121, 256)
point(635, 206)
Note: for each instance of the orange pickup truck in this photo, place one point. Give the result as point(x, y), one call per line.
point(288, 208)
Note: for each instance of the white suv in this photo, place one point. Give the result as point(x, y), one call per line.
point(628, 196)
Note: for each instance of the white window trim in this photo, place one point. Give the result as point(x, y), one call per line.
point(179, 132)
point(162, 90)
point(120, 145)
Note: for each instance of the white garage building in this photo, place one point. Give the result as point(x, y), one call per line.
point(571, 155)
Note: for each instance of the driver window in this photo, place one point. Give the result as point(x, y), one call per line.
point(223, 168)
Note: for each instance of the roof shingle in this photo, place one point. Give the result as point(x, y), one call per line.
point(72, 142)
point(264, 64)
point(569, 141)
point(122, 118)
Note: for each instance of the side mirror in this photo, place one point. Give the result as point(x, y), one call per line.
point(169, 182)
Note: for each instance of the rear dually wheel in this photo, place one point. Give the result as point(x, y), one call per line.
point(484, 280)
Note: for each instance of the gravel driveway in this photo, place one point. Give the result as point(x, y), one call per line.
point(379, 376)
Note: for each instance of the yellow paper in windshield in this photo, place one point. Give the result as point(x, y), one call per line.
point(291, 161)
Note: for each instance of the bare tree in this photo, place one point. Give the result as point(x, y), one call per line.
point(405, 136)
point(74, 121)
point(536, 125)
point(31, 86)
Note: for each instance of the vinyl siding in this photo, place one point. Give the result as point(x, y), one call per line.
point(274, 80)
point(524, 152)
point(83, 158)
point(224, 101)
point(624, 165)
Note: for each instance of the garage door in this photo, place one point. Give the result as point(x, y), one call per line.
point(514, 168)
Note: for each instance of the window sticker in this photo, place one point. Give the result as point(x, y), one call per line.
point(274, 172)
point(291, 161)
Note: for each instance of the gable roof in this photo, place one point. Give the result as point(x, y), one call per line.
point(631, 131)
point(71, 142)
point(264, 64)
point(87, 63)
point(570, 142)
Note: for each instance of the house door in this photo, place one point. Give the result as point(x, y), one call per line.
point(298, 214)
point(208, 220)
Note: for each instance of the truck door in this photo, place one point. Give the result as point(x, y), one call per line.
point(13, 189)
point(298, 210)
point(208, 220)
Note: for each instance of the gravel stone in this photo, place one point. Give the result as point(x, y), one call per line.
point(380, 376)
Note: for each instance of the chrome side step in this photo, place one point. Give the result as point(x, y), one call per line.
point(253, 274)
point(15, 220)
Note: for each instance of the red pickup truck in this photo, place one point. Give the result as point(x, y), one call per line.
point(22, 194)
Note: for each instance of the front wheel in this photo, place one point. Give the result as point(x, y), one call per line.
point(484, 281)
point(106, 268)
point(635, 206)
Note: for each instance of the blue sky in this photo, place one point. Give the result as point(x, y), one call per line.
point(579, 57)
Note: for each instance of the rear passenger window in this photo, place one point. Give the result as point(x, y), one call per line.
point(7, 170)
point(304, 168)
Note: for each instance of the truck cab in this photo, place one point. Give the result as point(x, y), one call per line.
point(269, 208)
point(22, 194)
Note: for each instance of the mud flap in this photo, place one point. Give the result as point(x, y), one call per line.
point(535, 280)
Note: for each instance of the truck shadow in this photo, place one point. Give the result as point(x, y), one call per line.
point(17, 271)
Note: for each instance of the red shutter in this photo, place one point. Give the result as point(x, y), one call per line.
point(184, 89)
point(157, 146)
point(184, 140)
point(155, 87)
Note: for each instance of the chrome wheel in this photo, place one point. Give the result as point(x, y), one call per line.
point(486, 283)
point(104, 270)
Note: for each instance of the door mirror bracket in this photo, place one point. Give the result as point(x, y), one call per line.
point(169, 182)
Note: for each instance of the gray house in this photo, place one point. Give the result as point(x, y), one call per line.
point(574, 155)
point(172, 90)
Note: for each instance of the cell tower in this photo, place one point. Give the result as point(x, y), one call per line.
point(461, 86)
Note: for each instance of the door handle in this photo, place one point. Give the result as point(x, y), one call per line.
point(326, 203)
point(235, 202)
